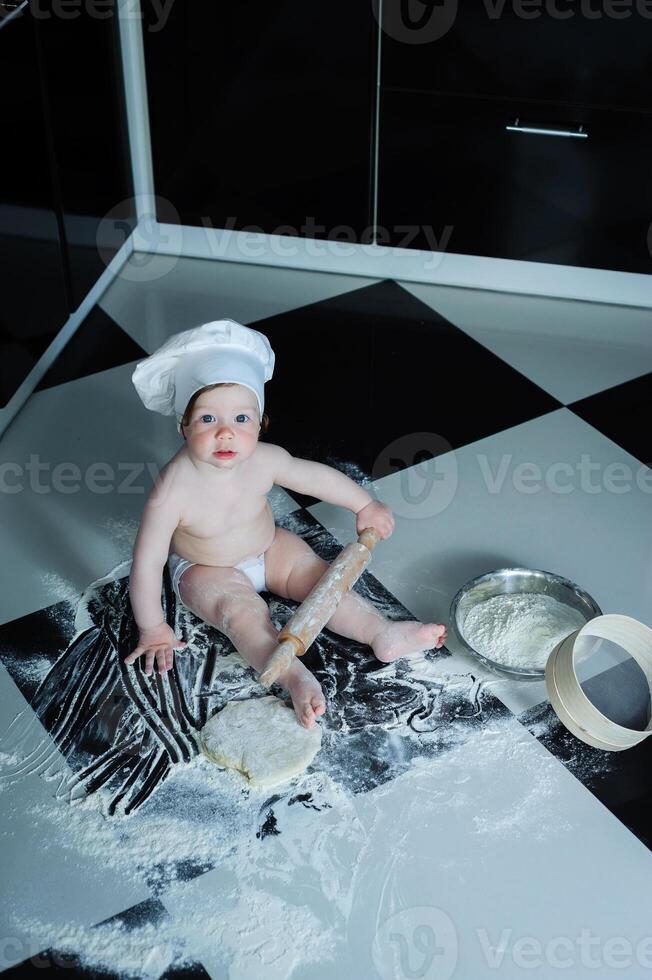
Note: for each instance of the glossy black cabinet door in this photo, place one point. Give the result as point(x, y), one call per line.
point(449, 167)
point(84, 100)
point(590, 53)
point(261, 114)
point(33, 302)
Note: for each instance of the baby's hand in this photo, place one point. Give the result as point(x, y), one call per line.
point(157, 641)
point(375, 515)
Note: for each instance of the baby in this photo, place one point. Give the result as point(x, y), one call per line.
point(209, 517)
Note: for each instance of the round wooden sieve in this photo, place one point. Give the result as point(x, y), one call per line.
point(571, 704)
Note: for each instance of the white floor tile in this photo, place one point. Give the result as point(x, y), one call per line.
point(57, 541)
point(171, 295)
point(569, 348)
point(491, 840)
point(602, 540)
point(47, 883)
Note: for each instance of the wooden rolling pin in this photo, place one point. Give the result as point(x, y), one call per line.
point(320, 604)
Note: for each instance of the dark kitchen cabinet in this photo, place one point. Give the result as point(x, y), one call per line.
point(591, 54)
point(452, 80)
point(33, 300)
point(66, 198)
point(262, 114)
point(447, 161)
point(84, 100)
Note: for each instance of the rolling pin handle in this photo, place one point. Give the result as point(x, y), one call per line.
point(297, 642)
point(291, 644)
point(279, 661)
point(369, 538)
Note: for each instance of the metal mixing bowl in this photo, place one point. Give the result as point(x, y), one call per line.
point(504, 581)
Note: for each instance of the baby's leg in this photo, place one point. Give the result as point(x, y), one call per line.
point(226, 598)
point(292, 568)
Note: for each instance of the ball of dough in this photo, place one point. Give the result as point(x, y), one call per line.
point(262, 739)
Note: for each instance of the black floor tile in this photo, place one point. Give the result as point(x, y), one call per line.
point(622, 413)
point(54, 961)
point(98, 344)
point(32, 644)
point(357, 372)
point(620, 780)
point(150, 912)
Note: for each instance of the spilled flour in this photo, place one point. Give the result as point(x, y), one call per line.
point(121, 532)
point(55, 585)
point(252, 882)
point(520, 630)
point(353, 470)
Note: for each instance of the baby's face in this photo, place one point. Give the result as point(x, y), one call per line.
point(224, 427)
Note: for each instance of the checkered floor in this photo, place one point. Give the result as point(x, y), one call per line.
point(502, 430)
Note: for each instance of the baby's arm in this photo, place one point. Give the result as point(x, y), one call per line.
point(327, 483)
point(159, 521)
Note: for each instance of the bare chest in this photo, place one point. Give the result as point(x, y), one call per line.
point(222, 521)
point(208, 511)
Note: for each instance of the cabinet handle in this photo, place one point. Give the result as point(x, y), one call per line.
point(9, 11)
point(518, 127)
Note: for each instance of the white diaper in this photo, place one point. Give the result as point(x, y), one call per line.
point(253, 568)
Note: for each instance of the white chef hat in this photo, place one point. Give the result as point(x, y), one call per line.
point(220, 351)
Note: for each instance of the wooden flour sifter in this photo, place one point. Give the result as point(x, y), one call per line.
point(320, 604)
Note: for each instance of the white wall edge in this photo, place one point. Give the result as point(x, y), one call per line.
point(412, 265)
point(135, 88)
point(50, 354)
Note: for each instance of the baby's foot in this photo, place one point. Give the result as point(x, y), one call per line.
point(306, 693)
point(396, 640)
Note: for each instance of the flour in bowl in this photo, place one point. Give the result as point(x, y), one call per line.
point(520, 630)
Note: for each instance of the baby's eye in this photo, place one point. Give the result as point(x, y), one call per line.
point(204, 418)
point(242, 417)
